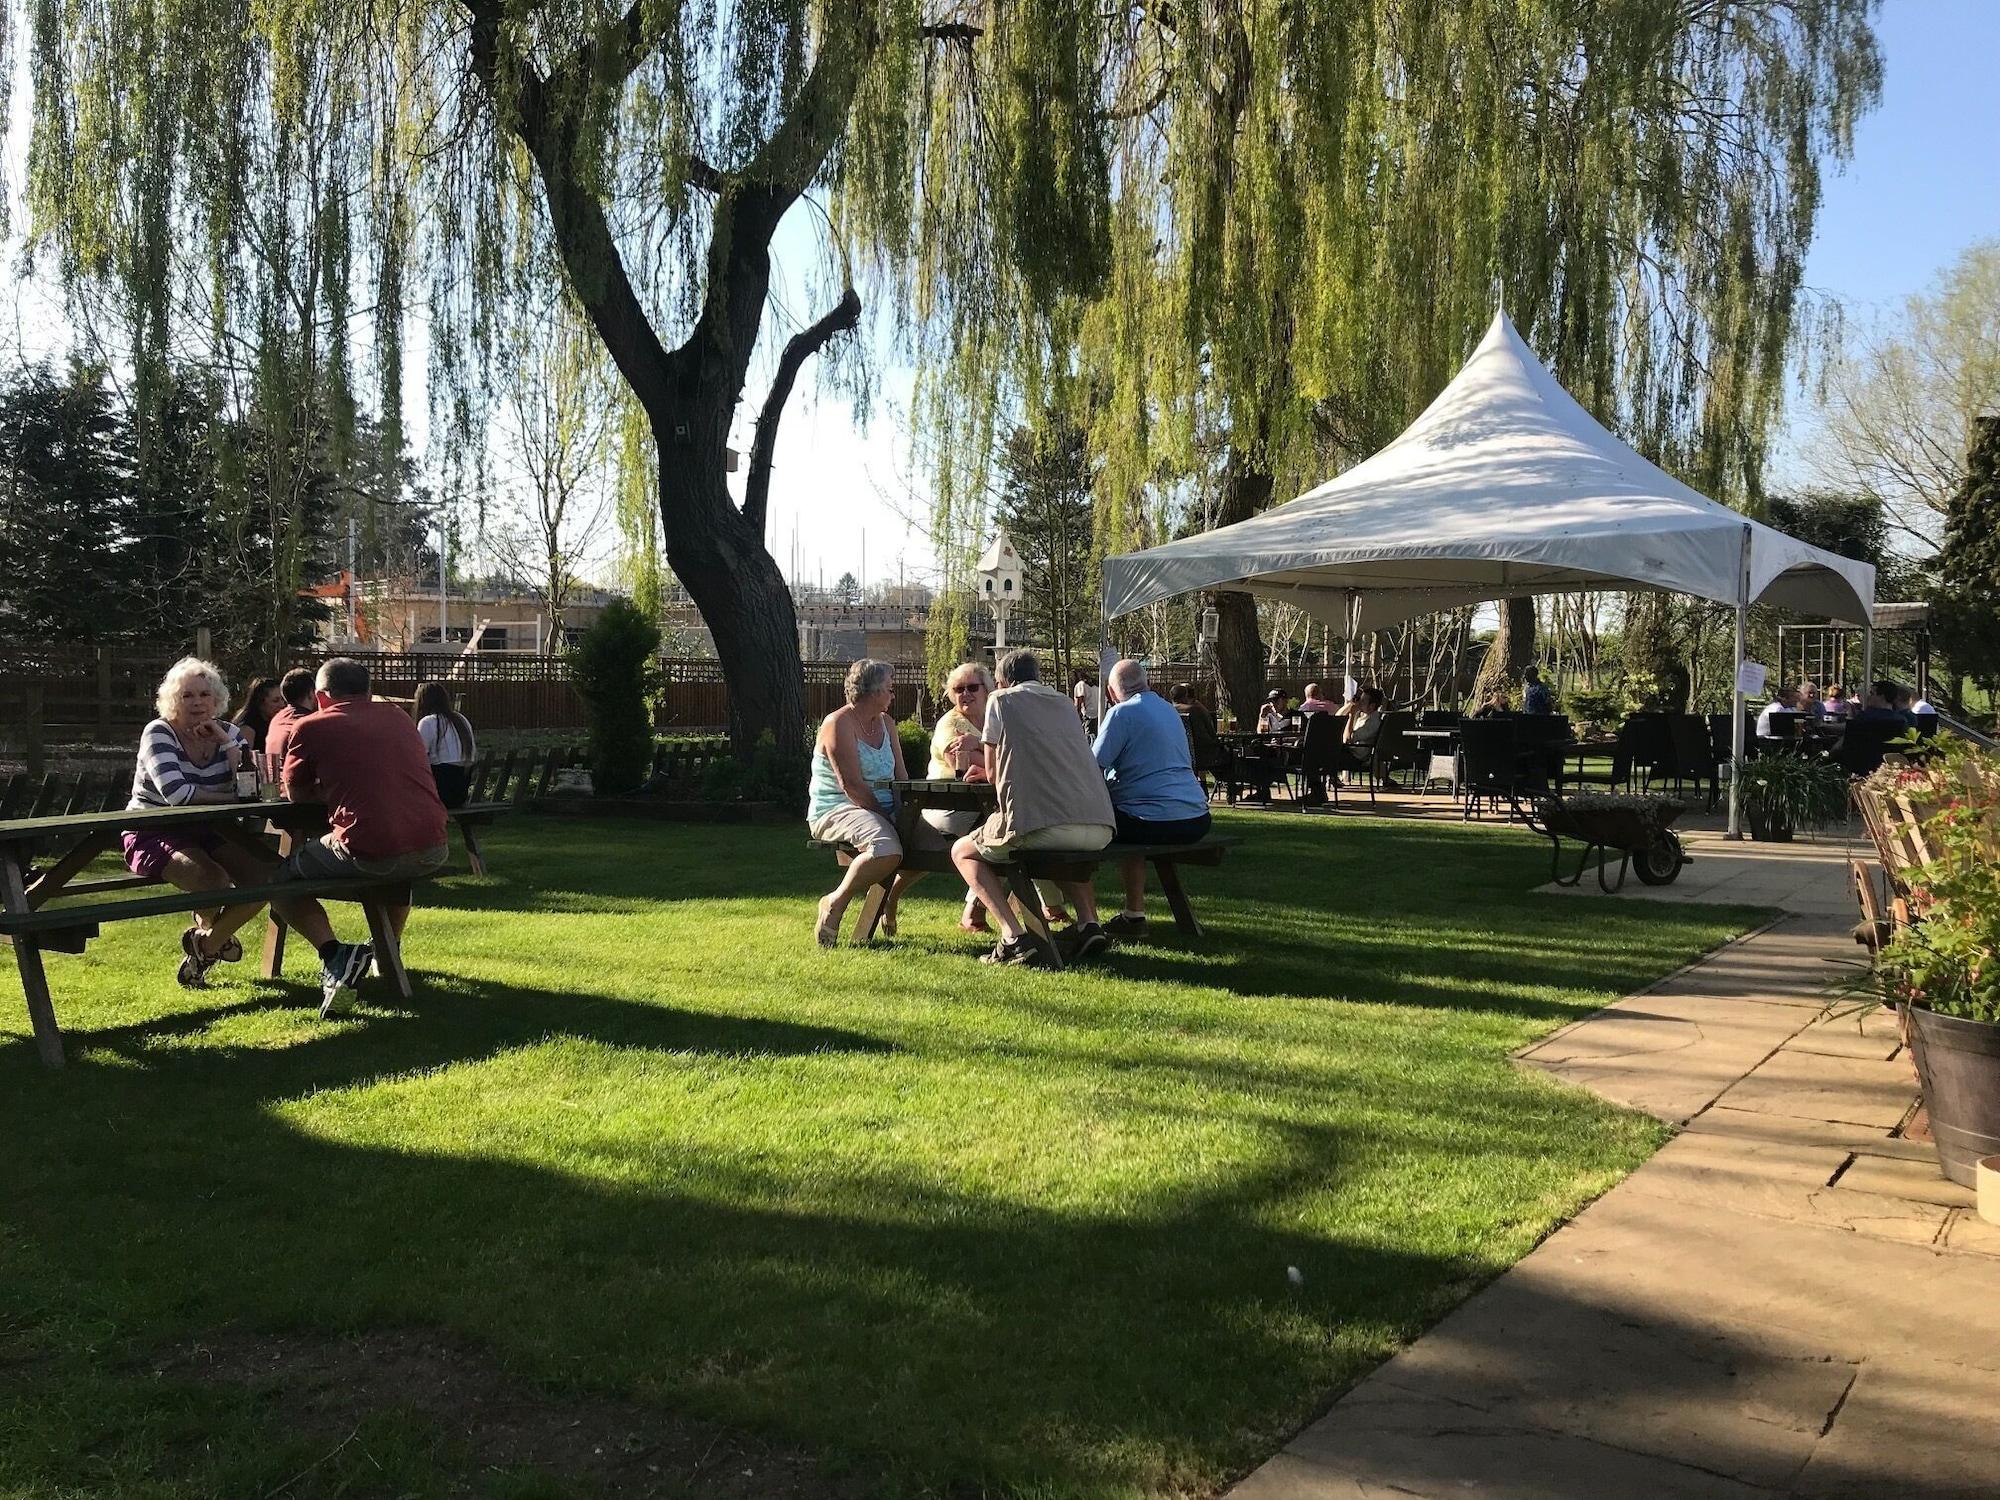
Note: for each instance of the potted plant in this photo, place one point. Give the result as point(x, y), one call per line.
point(1784, 792)
point(1943, 967)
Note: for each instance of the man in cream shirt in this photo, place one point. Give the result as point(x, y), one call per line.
point(1051, 796)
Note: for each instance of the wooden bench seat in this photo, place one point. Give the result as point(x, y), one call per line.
point(1031, 865)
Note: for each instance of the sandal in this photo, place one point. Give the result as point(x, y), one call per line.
point(231, 951)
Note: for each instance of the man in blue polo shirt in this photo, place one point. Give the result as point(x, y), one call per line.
point(1142, 748)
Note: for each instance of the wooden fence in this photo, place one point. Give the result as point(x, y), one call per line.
point(104, 694)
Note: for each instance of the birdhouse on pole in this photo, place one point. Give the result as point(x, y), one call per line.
point(997, 577)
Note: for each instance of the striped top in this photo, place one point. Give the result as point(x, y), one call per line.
point(167, 778)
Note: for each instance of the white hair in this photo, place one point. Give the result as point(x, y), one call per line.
point(168, 698)
point(1129, 677)
point(979, 674)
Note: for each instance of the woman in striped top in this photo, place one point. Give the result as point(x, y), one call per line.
point(188, 755)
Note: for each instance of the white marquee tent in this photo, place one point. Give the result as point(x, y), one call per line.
point(1504, 487)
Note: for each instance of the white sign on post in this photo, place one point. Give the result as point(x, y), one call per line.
point(1750, 677)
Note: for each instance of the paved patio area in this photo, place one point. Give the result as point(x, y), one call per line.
point(1788, 1299)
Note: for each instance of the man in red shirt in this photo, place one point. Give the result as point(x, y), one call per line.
point(297, 686)
point(365, 760)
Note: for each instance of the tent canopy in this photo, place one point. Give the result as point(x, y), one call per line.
point(1505, 486)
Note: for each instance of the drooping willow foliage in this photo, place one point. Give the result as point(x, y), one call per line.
point(1314, 209)
point(1244, 241)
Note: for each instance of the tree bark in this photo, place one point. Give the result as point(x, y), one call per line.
point(1239, 650)
point(1513, 647)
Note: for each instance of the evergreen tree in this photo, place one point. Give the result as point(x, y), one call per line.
point(1967, 604)
point(66, 511)
point(1046, 505)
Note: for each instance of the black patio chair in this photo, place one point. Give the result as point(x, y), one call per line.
point(1864, 744)
point(1646, 747)
point(1694, 753)
point(1395, 750)
point(1319, 757)
point(1490, 764)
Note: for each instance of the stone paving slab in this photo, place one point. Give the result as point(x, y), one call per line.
point(1787, 1299)
point(1858, 1091)
point(1399, 1444)
point(1752, 1403)
point(1939, 1428)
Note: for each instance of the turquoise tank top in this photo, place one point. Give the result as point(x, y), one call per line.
point(878, 769)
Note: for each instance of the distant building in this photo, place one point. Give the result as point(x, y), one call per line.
point(394, 615)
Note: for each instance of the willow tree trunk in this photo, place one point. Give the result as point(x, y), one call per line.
point(1512, 649)
point(1239, 647)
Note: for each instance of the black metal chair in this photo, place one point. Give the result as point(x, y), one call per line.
point(1319, 757)
point(1694, 753)
point(1863, 746)
point(1395, 750)
point(1490, 764)
point(1645, 748)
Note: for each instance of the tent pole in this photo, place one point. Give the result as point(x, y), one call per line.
point(1867, 657)
point(1736, 694)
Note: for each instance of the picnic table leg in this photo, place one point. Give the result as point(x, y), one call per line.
point(274, 925)
point(474, 858)
point(388, 952)
point(872, 907)
point(1029, 902)
point(1169, 872)
point(28, 957)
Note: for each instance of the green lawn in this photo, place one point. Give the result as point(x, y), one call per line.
point(941, 1226)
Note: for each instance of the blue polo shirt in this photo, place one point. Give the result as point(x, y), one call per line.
point(1142, 749)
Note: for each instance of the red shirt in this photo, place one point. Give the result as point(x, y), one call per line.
point(278, 735)
point(365, 760)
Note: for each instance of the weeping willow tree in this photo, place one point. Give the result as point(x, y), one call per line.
point(307, 180)
point(1311, 209)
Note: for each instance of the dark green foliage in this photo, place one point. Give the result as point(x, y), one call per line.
point(916, 739)
point(612, 667)
point(1851, 525)
point(66, 510)
point(1046, 506)
point(766, 776)
point(1967, 602)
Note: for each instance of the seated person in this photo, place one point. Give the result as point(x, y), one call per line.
point(1906, 705)
point(189, 754)
point(364, 759)
point(1272, 717)
point(1314, 704)
point(1836, 704)
point(1880, 705)
point(855, 756)
point(297, 686)
point(262, 701)
point(1494, 705)
point(1786, 702)
point(1155, 798)
point(447, 741)
point(1364, 728)
point(1809, 699)
point(1535, 696)
point(1051, 796)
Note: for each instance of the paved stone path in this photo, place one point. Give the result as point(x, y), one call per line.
point(1788, 1299)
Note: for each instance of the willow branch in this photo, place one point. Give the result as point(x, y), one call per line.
point(801, 347)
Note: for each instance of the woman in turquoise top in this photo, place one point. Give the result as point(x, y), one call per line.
point(855, 757)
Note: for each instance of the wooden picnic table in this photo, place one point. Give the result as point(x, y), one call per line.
point(69, 842)
point(922, 855)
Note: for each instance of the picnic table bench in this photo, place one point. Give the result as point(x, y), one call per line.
point(30, 921)
point(925, 854)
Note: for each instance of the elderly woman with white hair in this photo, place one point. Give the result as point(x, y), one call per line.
point(856, 754)
point(190, 755)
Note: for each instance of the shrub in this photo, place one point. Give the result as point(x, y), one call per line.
point(766, 776)
point(612, 667)
point(1949, 958)
point(916, 746)
point(1794, 791)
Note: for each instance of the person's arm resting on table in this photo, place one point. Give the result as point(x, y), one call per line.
point(164, 762)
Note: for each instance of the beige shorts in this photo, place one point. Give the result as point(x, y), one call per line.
point(323, 858)
point(953, 822)
point(870, 833)
point(1086, 836)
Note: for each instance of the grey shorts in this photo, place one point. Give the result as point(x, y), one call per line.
point(322, 859)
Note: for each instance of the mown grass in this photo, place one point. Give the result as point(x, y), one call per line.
point(950, 1227)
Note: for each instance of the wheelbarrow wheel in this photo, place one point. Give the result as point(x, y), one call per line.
point(1661, 863)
